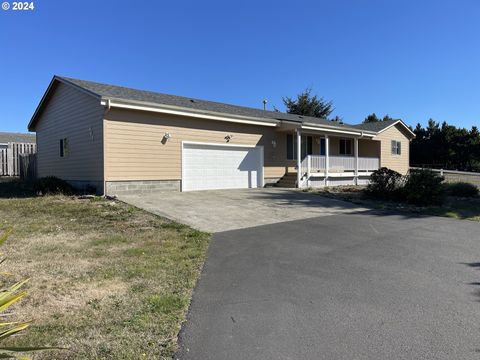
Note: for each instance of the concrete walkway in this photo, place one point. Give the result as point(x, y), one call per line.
point(222, 210)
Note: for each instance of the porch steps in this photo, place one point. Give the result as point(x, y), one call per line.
point(288, 180)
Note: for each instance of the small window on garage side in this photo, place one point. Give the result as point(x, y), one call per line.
point(345, 147)
point(396, 147)
point(63, 147)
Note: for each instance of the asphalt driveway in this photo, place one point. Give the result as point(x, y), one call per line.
point(222, 210)
point(345, 286)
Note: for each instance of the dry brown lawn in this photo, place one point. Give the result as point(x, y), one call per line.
point(108, 281)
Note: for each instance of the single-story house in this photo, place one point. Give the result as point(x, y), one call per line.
point(120, 140)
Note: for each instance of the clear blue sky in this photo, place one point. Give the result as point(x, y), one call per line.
point(408, 59)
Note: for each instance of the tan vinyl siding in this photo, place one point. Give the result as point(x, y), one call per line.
point(71, 114)
point(334, 145)
point(400, 163)
point(368, 148)
point(134, 148)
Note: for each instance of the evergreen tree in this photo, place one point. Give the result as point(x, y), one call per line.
point(446, 146)
point(372, 118)
point(308, 105)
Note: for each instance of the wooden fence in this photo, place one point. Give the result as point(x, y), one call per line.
point(28, 166)
point(10, 162)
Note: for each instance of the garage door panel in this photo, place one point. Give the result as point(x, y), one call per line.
point(208, 167)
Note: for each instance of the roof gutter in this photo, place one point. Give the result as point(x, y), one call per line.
point(142, 106)
point(340, 131)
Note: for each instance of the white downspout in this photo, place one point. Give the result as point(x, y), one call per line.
point(107, 105)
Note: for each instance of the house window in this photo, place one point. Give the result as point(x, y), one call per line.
point(345, 147)
point(63, 147)
point(290, 147)
point(396, 147)
point(306, 146)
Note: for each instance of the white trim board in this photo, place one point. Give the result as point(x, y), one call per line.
point(337, 131)
point(193, 114)
point(394, 124)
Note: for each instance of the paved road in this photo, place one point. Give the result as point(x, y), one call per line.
point(348, 286)
point(221, 210)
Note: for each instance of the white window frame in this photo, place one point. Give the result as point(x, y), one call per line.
point(64, 148)
point(345, 147)
point(294, 145)
point(396, 147)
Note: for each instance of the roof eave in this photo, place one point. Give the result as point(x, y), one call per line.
point(338, 129)
point(183, 111)
point(41, 104)
point(412, 134)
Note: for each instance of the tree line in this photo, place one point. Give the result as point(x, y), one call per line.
point(445, 146)
point(441, 146)
point(438, 145)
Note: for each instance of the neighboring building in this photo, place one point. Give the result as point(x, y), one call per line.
point(7, 137)
point(12, 147)
point(119, 140)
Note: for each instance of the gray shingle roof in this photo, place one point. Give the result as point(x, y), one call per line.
point(128, 94)
point(375, 126)
point(6, 137)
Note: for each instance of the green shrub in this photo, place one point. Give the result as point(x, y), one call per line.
point(461, 189)
point(384, 183)
point(51, 185)
point(15, 188)
point(90, 189)
point(424, 187)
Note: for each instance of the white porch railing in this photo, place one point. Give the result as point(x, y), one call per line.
point(342, 163)
point(368, 163)
point(317, 163)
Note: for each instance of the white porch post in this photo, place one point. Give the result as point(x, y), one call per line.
point(309, 169)
point(327, 158)
point(299, 157)
point(355, 152)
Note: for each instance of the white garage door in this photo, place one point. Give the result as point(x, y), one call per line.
point(208, 167)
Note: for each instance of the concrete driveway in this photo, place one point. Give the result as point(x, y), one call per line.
point(346, 286)
point(222, 210)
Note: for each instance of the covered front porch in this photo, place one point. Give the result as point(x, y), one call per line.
point(330, 159)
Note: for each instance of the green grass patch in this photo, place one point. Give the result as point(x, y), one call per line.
point(108, 281)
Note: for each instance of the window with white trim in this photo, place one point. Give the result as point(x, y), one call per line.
point(345, 147)
point(63, 147)
point(396, 147)
point(307, 146)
